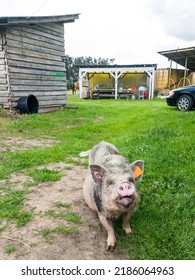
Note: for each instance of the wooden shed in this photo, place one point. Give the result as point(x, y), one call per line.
point(32, 60)
point(116, 80)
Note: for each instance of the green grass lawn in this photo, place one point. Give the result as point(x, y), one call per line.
point(164, 225)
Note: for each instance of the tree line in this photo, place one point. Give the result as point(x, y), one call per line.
point(72, 66)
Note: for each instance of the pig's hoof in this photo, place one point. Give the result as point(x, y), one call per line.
point(110, 247)
point(127, 230)
point(111, 242)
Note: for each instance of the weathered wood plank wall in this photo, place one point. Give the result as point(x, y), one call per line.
point(35, 63)
point(4, 92)
point(162, 78)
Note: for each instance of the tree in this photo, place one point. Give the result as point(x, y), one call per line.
point(72, 65)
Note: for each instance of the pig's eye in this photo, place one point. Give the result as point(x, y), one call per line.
point(131, 180)
point(109, 182)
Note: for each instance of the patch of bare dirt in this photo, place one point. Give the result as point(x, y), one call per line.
point(88, 243)
point(20, 144)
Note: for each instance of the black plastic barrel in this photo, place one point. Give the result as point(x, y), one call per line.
point(28, 104)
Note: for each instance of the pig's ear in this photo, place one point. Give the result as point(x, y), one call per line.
point(97, 173)
point(138, 169)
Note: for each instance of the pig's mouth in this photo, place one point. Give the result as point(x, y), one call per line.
point(125, 201)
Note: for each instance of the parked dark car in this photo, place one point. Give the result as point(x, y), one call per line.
point(183, 98)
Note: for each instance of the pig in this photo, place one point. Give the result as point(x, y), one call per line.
point(109, 187)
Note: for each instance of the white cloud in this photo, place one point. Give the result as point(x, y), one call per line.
point(129, 31)
point(177, 17)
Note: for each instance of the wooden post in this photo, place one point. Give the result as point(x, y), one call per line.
point(186, 64)
point(169, 78)
point(80, 83)
point(116, 84)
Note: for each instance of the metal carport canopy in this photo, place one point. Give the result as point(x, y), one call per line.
point(116, 71)
point(184, 57)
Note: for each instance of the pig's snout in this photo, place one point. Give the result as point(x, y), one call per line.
point(126, 189)
point(125, 194)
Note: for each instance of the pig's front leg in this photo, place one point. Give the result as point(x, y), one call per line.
point(111, 240)
point(125, 225)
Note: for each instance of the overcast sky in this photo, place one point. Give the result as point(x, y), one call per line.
point(130, 31)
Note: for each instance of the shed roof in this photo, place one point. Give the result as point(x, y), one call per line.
point(118, 68)
point(5, 21)
point(184, 57)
